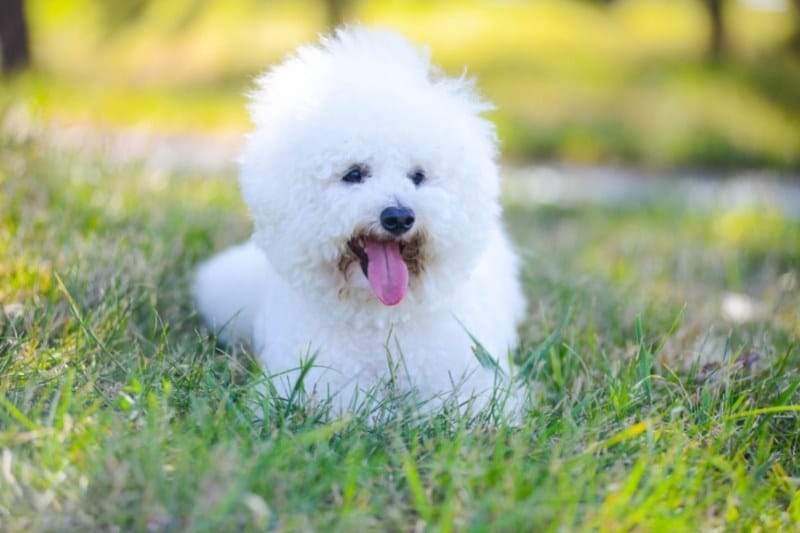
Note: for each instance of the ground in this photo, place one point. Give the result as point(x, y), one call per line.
point(660, 348)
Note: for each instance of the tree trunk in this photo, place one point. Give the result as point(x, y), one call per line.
point(335, 12)
point(794, 41)
point(13, 35)
point(718, 38)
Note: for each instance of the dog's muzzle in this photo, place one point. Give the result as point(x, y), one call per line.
point(387, 262)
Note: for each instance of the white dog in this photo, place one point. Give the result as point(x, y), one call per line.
point(374, 192)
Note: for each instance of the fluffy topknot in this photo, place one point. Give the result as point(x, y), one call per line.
point(372, 59)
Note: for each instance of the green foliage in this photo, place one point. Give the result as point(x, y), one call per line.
point(578, 81)
point(649, 410)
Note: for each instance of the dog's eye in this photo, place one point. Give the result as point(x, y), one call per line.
point(354, 175)
point(417, 177)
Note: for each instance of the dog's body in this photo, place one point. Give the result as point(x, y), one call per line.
point(377, 235)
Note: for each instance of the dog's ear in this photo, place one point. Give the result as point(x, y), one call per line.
point(463, 90)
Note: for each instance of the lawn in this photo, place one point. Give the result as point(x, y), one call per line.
point(654, 409)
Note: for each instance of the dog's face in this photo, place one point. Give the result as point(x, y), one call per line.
point(366, 180)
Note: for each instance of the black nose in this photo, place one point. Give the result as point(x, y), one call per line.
point(397, 220)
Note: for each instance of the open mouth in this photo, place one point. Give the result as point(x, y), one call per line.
point(386, 263)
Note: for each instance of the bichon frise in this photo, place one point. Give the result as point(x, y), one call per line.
point(374, 193)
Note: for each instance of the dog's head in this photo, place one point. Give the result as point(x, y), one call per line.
point(370, 176)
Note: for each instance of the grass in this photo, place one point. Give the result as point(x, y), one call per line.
point(652, 412)
point(579, 81)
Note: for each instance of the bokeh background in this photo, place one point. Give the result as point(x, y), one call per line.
point(651, 83)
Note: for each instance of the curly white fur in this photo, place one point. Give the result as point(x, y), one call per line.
point(367, 97)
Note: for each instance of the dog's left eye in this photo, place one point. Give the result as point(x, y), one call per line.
point(417, 177)
point(354, 175)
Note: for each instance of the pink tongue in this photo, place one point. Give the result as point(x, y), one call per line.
point(386, 271)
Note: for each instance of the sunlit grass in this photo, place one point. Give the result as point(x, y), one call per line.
point(181, 109)
point(652, 410)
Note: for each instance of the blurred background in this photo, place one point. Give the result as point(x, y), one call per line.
point(658, 84)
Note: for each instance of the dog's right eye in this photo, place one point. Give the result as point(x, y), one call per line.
point(354, 175)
